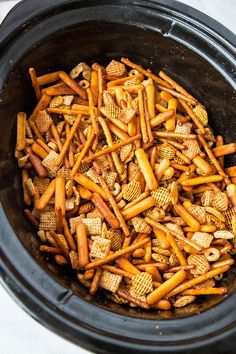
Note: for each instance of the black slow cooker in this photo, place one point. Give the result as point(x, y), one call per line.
point(55, 35)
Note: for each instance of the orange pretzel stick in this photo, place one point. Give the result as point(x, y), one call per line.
point(31, 218)
point(206, 291)
point(231, 193)
point(60, 200)
point(58, 141)
point(158, 265)
point(154, 273)
point(174, 143)
point(161, 238)
point(164, 165)
point(114, 147)
point(132, 299)
point(220, 142)
point(41, 105)
point(224, 150)
point(60, 90)
point(70, 147)
point(118, 271)
point(142, 117)
point(192, 116)
point(105, 211)
point(90, 185)
point(117, 131)
point(94, 86)
point(137, 200)
point(92, 111)
point(35, 130)
point(36, 162)
point(188, 218)
point(80, 110)
point(88, 274)
point(225, 262)
point(60, 241)
point(178, 95)
point(82, 243)
point(35, 83)
point(176, 249)
point(176, 86)
point(38, 150)
point(67, 142)
point(146, 169)
point(112, 257)
point(201, 180)
point(231, 171)
point(144, 72)
point(84, 192)
point(166, 287)
point(43, 145)
point(26, 196)
point(114, 206)
point(69, 238)
point(147, 119)
point(138, 208)
point(48, 78)
point(96, 281)
point(162, 117)
point(124, 264)
point(43, 201)
point(164, 305)
point(150, 91)
point(89, 141)
point(177, 268)
point(170, 124)
point(21, 131)
point(50, 249)
point(198, 280)
point(108, 137)
point(73, 84)
point(202, 164)
point(175, 135)
point(176, 234)
point(121, 81)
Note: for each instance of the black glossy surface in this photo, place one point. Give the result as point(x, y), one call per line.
point(144, 32)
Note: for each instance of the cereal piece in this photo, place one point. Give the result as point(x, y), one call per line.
point(133, 81)
point(228, 214)
point(93, 226)
point(116, 239)
point(165, 151)
point(173, 260)
point(110, 281)
point(69, 188)
point(70, 118)
point(161, 196)
point(160, 258)
point(213, 220)
point(220, 201)
point(117, 299)
point(41, 183)
point(49, 163)
point(73, 222)
point(115, 68)
point(199, 213)
point(132, 171)
point(192, 149)
point(103, 163)
point(156, 214)
point(132, 190)
point(92, 174)
point(201, 263)
point(161, 251)
point(48, 221)
point(207, 198)
point(142, 283)
point(140, 225)
point(67, 100)
point(202, 238)
point(216, 213)
point(201, 114)
point(56, 102)
point(86, 208)
point(126, 115)
point(212, 254)
point(184, 300)
point(209, 283)
point(43, 121)
point(184, 128)
point(70, 203)
point(81, 68)
point(42, 235)
point(30, 187)
point(100, 248)
point(125, 152)
point(111, 111)
point(225, 234)
point(94, 214)
point(110, 178)
point(74, 260)
point(64, 172)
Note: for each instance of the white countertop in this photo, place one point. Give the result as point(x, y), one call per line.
point(18, 331)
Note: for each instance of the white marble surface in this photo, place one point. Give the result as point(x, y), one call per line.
point(18, 331)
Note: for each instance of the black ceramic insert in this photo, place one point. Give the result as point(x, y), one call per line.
point(193, 49)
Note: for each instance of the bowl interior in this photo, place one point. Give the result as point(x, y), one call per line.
point(102, 42)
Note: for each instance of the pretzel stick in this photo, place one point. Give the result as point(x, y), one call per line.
point(114, 147)
point(117, 271)
point(142, 117)
point(76, 166)
point(31, 218)
point(173, 143)
point(90, 185)
point(26, 196)
point(36, 162)
point(41, 105)
point(162, 117)
point(58, 91)
point(59, 200)
point(35, 83)
point(48, 78)
point(146, 169)
point(170, 124)
point(58, 142)
point(176, 249)
point(80, 110)
point(49, 249)
point(192, 116)
point(220, 142)
point(114, 206)
point(188, 218)
point(57, 238)
point(96, 281)
point(124, 264)
point(105, 211)
point(225, 262)
point(144, 72)
point(176, 234)
point(73, 84)
point(198, 280)
point(166, 287)
point(202, 164)
point(223, 150)
point(206, 291)
point(154, 273)
point(117, 131)
point(175, 135)
point(69, 238)
point(177, 268)
point(122, 80)
point(67, 142)
point(132, 299)
point(45, 198)
point(201, 180)
point(115, 255)
point(138, 208)
point(176, 86)
point(21, 131)
point(150, 92)
point(178, 95)
point(82, 243)
point(148, 252)
point(162, 238)
point(147, 119)
point(35, 130)
point(92, 112)
point(70, 148)
point(164, 165)
point(88, 274)
point(84, 192)
point(43, 145)
point(39, 151)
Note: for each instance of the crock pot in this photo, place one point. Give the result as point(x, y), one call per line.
point(55, 35)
